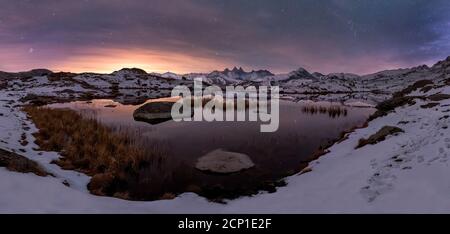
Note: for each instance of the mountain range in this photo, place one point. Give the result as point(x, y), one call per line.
point(124, 83)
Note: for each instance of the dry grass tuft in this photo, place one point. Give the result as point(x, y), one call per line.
point(118, 166)
point(417, 85)
point(379, 136)
point(333, 111)
point(19, 163)
point(429, 105)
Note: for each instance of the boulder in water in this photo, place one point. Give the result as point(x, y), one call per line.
point(154, 112)
point(224, 162)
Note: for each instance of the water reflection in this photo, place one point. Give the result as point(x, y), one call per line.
point(304, 127)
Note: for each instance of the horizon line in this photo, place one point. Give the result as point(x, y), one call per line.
point(216, 70)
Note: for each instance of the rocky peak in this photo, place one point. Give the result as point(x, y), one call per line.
point(136, 71)
point(300, 73)
point(26, 74)
point(421, 68)
point(238, 70)
point(240, 73)
point(32, 73)
point(444, 64)
point(39, 72)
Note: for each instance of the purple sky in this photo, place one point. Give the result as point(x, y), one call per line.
point(203, 35)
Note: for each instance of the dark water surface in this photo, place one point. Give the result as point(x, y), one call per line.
point(275, 155)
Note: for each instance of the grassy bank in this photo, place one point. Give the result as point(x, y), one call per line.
point(117, 165)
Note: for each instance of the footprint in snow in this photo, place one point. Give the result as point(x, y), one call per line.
point(371, 192)
point(420, 159)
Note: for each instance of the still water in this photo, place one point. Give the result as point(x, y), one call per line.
point(276, 155)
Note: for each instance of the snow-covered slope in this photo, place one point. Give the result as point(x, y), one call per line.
point(126, 85)
point(129, 79)
point(170, 75)
point(386, 81)
point(405, 173)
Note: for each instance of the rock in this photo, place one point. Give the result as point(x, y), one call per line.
point(438, 97)
point(154, 112)
point(66, 183)
point(220, 161)
point(3, 84)
point(430, 105)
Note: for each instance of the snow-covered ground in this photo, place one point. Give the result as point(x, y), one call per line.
point(406, 173)
point(370, 179)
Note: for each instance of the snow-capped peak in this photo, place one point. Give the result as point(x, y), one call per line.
point(444, 64)
point(300, 73)
point(238, 70)
point(236, 75)
point(171, 75)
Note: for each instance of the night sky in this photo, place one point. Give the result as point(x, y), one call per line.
point(203, 35)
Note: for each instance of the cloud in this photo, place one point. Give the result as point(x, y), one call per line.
point(326, 36)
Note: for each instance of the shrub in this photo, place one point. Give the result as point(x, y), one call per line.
point(333, 110)
point(379, 136)
point(389, 105)
point(18, 163)
point(417, 85)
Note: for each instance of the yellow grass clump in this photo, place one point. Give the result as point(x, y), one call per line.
point(118, 166)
